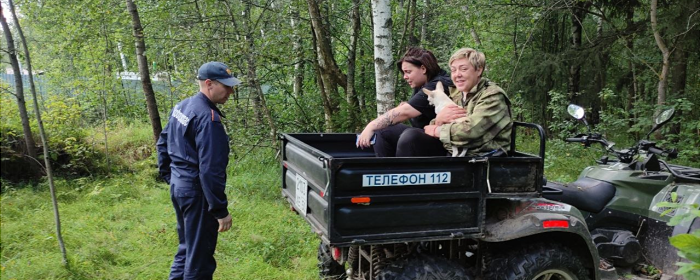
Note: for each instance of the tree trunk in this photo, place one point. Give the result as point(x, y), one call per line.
point(44, 142)
point(362, 93)
point(575, 68)
point(143, 70)
point(403, 46)
point(253, 77)
point(603, 57)
point(381, 14)
point(330, 74)
point(352, 51)
point(472, 30)
point(665, 54)
point(19, 87)
point(412, 39)
point(106, 72)
point(299, 52)
point(424, 24)
point(680, 56)
point(326, 60)
point(325, 99)
point(632, 86)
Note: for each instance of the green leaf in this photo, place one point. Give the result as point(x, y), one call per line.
point(665, 212)
point(679, 218)
point(674, 196)
point(695, 212)
point(686, 242)
point(668, 204)
point(688, 270)
point(688, 246)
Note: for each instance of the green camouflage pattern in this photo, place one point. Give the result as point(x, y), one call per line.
point(488, 125)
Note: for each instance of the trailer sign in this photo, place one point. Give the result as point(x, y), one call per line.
point(302, 187)
point(406, 179)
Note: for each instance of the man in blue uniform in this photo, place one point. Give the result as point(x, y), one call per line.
point(192, 157)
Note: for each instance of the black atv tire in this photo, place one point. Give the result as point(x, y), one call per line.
point(537, 261)
point(328, 268)
point(423, 267)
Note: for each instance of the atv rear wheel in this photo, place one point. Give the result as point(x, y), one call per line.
point(423, 267)
point(537, 262)
point(328, 268)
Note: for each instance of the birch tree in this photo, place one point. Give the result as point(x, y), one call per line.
point(383, 70)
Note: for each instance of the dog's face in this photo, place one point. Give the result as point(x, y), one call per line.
point(432, 94)
point(438, 98)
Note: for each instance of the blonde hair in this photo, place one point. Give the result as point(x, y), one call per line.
point(476, 58)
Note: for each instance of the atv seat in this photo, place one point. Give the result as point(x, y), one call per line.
point(585, 194)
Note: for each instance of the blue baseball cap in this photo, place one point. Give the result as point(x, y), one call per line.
point(217, 71)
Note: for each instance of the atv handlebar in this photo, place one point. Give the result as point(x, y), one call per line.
point(673, 153)
point(655, 150)
point(625, 155)
point(587, 139)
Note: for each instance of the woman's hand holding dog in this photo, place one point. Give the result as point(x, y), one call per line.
point(432, 130)
point(449, 114)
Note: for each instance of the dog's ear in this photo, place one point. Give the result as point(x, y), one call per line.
point(427, 92)
point(439, 87)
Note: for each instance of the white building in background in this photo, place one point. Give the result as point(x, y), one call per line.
point(9, 71)
point(135, 76)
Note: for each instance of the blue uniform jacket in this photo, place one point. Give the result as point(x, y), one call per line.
point(193, 151)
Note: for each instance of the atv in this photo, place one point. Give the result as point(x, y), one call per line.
point(618, 198)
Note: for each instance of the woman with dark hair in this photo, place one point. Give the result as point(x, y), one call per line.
point(420, 70)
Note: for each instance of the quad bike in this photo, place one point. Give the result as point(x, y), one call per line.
point(618, 198)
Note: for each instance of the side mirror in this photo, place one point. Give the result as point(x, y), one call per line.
point(575, 111)
point(663, 117)
point(578, 113)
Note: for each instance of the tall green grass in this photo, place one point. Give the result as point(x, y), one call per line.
point(123, 227)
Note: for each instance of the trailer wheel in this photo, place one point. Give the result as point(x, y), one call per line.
point(536, 262)
point(328, 268)
point(423, 267)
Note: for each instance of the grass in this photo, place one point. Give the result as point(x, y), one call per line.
point(563, 161)
point(124, 228)
point(127, 142)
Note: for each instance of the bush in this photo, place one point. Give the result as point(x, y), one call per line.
point(76, 147)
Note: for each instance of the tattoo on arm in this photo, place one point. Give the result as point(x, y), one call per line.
point(387, 119)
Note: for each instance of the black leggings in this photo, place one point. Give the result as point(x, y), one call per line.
point(404, 141)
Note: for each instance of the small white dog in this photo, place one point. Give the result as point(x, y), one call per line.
point(440, 100)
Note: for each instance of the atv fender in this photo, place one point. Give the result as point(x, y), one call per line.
point(512, 219)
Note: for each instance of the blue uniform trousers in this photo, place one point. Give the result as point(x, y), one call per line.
point(197, 231)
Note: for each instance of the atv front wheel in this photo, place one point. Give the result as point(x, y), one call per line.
point(328, 268)
point(423, 267)
point(537, 262)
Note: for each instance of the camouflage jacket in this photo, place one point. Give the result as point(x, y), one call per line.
point(488, 125)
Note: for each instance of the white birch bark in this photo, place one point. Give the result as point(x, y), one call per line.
point(383, 62)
